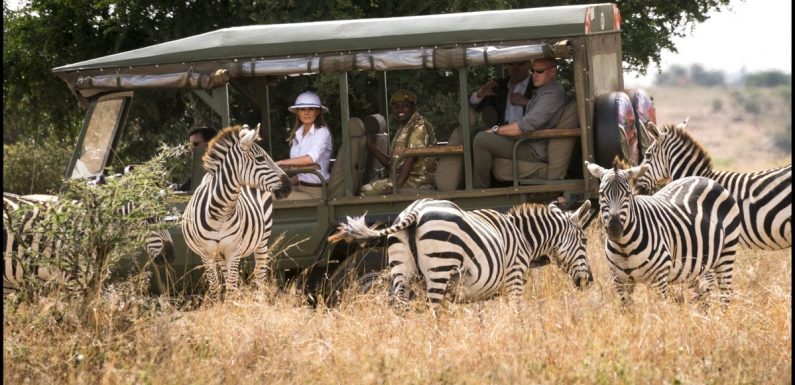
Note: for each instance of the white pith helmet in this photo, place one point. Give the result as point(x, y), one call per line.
point(307, 99)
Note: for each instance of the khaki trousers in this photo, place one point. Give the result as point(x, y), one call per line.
point(487, 146)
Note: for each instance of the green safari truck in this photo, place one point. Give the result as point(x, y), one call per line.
point(251, 60)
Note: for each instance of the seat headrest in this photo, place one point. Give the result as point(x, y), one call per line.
point(374, 124)
point(356, 127)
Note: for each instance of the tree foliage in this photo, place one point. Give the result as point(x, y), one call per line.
point(45, 34)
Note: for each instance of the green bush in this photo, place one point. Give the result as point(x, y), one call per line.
point(30, 168)
point(92, 236)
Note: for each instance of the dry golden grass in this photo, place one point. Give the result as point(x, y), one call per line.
point(556, 334)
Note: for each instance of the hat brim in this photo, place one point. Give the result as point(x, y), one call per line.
point(295, 108)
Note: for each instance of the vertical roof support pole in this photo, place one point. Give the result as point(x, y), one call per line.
point(463, 118)
point(218, 101)
point(345, 116)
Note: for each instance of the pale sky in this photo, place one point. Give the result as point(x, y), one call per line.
point(753, 34)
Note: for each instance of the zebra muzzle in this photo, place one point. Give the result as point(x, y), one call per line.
point(614, 228)
point(284, 190)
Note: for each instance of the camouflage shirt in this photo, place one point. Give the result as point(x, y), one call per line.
point(416, 133)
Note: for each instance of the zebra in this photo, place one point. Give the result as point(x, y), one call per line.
point(158, 243)
point(484, 250)
point(764, 197)
point(687, 232)
point(230, 213)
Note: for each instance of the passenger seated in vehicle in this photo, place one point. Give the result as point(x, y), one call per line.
point(198, 138)
point(310, 143)
point(542, 112)
point(508, 97)
point(414, 132)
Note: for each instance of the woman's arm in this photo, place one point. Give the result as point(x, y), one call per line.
point(303, 160)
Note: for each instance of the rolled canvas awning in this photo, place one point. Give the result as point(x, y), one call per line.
point(441, 41)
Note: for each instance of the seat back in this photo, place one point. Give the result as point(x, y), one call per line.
point(560, 150)
point(358, 143)
point(450, 169)
point(375, 129)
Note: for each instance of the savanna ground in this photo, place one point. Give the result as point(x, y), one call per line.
point(555, 335)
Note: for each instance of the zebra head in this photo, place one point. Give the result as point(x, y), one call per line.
point(615, 195)
point(656, 158)
point(244, 162)
point(569, 249)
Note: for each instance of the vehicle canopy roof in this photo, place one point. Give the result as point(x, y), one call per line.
point(434, 41)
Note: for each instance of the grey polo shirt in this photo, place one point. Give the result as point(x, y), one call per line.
point(543, 112)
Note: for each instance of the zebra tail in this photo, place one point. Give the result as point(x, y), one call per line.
point(357, 229)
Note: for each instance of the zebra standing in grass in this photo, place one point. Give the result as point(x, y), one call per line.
point(484, 250)
point(764, 197)
point(685, 233)
point(158, 243)
point(229, 215)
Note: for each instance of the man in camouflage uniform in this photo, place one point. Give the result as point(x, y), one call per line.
point(414, 132)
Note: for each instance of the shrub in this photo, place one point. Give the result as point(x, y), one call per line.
point(92, 235)
point(30, 168)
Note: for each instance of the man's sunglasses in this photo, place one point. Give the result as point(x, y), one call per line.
point(540, 71)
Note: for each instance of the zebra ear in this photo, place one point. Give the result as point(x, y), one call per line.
point(579, 216)
point(247, 138)
point(635, 172)
point(652, 131)
point(683, 124)
point(595, 169)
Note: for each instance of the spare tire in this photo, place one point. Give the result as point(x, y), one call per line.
point(615, 133)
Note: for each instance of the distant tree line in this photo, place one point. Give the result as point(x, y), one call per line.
point(696, 74)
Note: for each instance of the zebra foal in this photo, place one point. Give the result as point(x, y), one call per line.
point(230, 213)
point(685, 233)
point(764, 197)
point(485, 251)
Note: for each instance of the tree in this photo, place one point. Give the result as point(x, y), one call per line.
point(45, 34)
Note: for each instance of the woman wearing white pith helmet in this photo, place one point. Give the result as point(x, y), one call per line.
point(310, 142)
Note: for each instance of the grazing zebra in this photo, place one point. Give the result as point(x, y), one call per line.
point(764, 197)
point(158, 244)
point(484, 250)
point(685, 233)
point(229, 215)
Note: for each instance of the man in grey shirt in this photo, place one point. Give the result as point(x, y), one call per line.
point(542, 112)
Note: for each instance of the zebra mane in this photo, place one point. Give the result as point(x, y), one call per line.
point(683, 136)
point(619, 164)
point(525, 208)
point(219, 146)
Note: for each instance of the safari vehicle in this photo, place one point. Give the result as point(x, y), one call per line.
point(251, 59)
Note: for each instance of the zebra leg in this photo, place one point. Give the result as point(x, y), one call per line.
point(724, 272)
point(660, 282)
point(703, 285)
point(402, 268)
point(261, 268)
point(210, 264)
point(624, 290)
point(232, 274)
point(437, 273)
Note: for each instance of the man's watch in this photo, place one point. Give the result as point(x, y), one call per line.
point(495, 128)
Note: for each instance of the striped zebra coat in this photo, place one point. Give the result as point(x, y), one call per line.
point(484, 251)
point(158, 243)
point(764, 197)
point(687, 232)
point(229, 215)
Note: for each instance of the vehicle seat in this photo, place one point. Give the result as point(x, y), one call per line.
point(559, 151)
point(358, 161)
point(375, 128)
point(450, 169)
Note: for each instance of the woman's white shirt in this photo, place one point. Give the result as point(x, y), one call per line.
point(317, 144)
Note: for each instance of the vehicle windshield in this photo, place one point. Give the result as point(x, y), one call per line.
point(103, 123)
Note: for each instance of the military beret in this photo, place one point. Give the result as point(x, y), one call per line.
point(403, 96)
